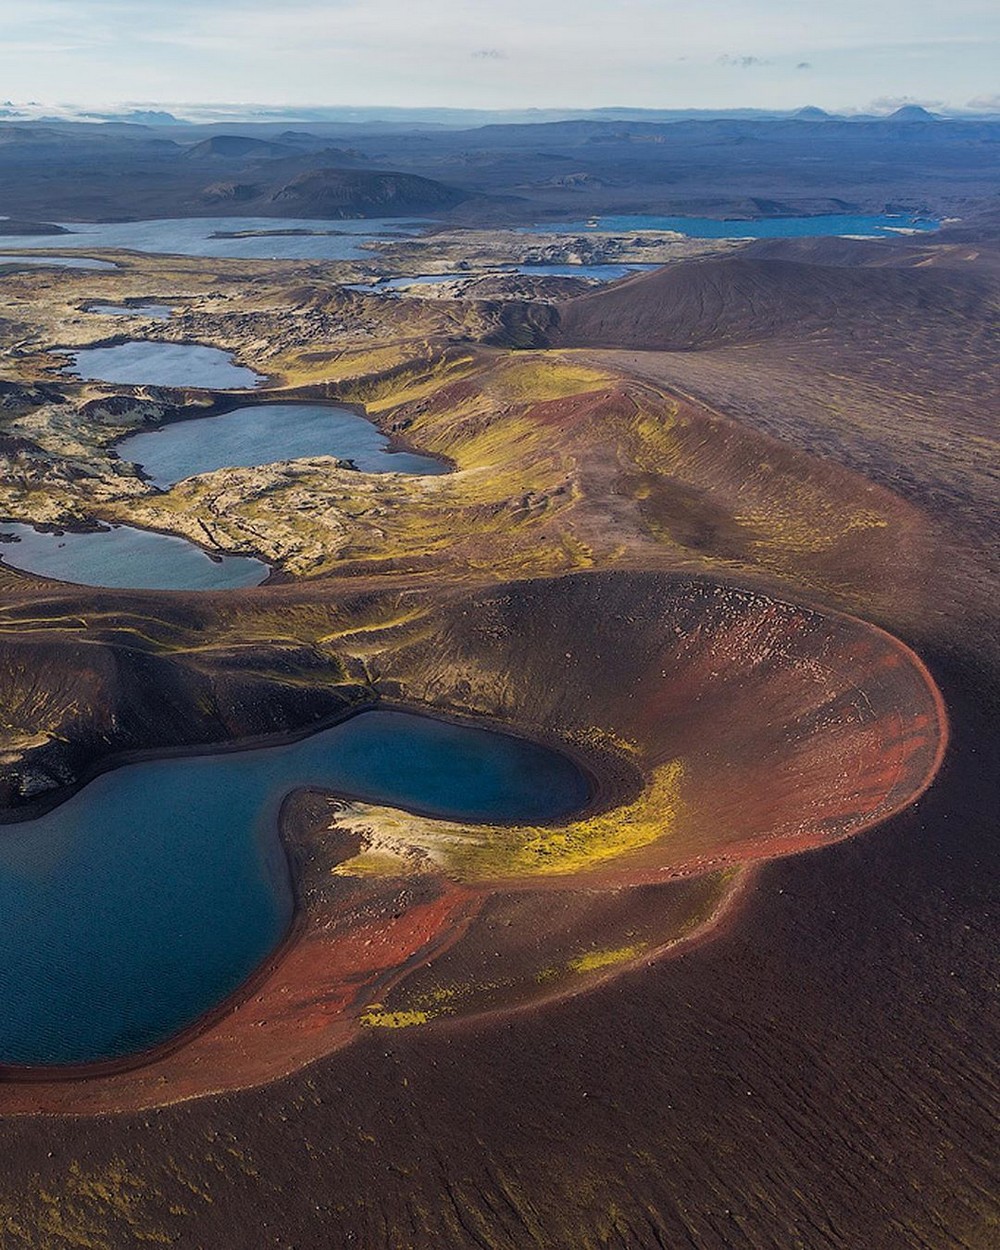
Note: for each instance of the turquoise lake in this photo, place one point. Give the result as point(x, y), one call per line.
point(762, 228)
point(265, 433)
point(153, 893)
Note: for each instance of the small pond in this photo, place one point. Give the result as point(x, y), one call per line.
point(265, 433)
point(142, 362)
point(124, 557)
point(152, 312)
point(607, 272)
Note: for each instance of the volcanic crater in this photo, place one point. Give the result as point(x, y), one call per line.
point(722, 726)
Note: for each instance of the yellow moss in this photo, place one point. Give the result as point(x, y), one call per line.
point(586, 844)
point(815, 526)
point(496, 852)
point(308, 366)
point(544, 377)
point(592, 961)
point(376, 1018)
point(417, 386)
point(374, 864)
point(439, 1001)
point(89, 1210)
point(595, 736)
point(655, 445)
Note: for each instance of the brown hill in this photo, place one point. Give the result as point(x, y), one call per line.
point(717, 302)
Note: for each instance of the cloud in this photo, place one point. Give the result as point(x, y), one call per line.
point(985, 103)
point(743, 62)
point(438, 52)
point(890, 103)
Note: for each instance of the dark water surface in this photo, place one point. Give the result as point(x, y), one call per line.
point(143, 362)
point(126, 558)
point(151, 894)
point(263, 434)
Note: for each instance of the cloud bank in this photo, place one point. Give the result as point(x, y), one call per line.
point(578, 53)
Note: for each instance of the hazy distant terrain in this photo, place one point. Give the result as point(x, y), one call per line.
point(718, 167)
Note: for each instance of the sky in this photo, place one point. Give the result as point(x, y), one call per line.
point(849, 54)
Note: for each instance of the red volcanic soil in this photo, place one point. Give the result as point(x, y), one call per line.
point(792, 728)
point(299, 1009)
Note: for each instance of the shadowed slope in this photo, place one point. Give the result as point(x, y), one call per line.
point(740, 299)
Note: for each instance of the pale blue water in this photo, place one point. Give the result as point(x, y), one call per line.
point(146, 363)
point(126, 557)
point(152, 312)
point(388, 285)
point(602, 273)
point(763, 228)
point(262, 434)
point(56, 262)
point(193, 236)
point(153, 893)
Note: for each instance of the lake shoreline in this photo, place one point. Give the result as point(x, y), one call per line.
point(292, 835)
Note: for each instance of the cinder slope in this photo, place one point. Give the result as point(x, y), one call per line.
point(736, 300)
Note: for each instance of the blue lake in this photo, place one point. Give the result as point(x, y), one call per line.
point(386, 286)
point(152, 312)
point(153, 893)
point(263, 434)
point(199, 236)
point(143, 362)
point(125, 557)
point(763, 228)
point(608, 272)
point(57, 262)
point(600, 273)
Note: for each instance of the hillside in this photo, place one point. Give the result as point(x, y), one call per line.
point(352, 193)
point(716, 302)
point(236, 147)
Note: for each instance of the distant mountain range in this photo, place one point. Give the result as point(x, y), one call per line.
point(423, 118)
